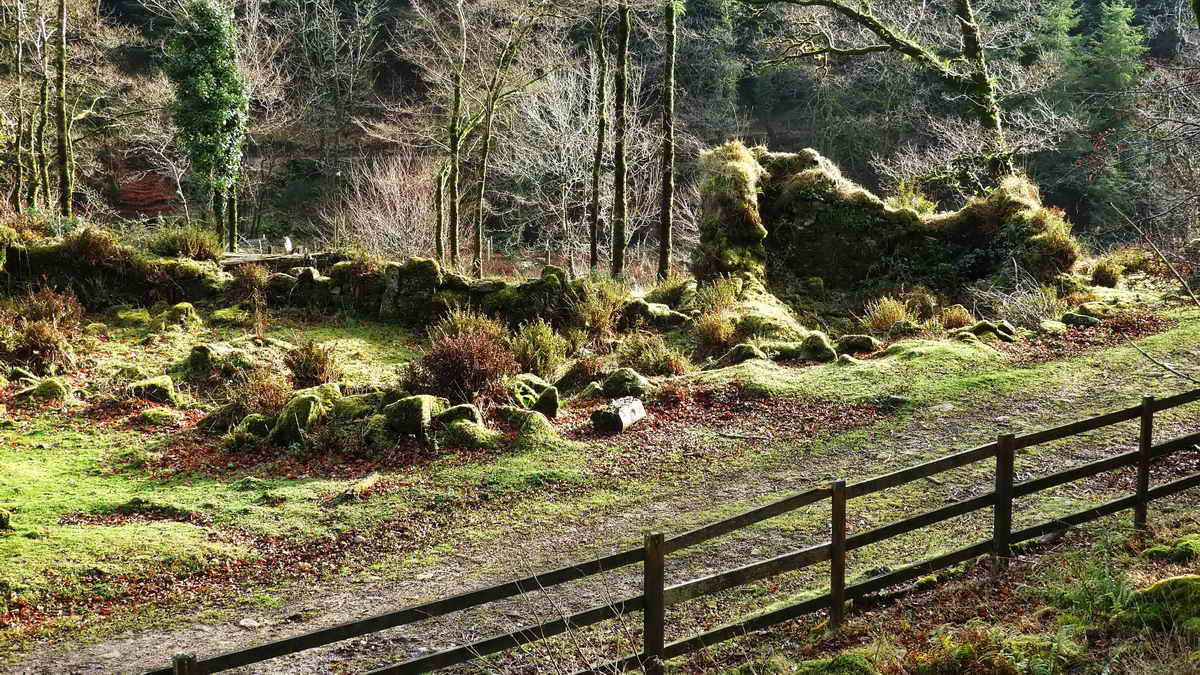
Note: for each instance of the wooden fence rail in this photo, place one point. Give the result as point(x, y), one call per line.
point(656, 596)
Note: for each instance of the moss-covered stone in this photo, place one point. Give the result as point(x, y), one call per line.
point(532, 381)
point(526, 422)
point(903, 329)
point(194, 279)
point(857, 344)
point(377, 433)
point(452, 281)
point(46, 389)
point(409, 289)
point(160, 389)
point(1096, 310)
point(159, 417)
point(463, 411)
point(182, 314)
point(463, 433)
point(413, 415)
point(763, 316)
point(356, 407)
point(230, 316)
point(5, 520)
point(279, 288)
point(96, 329)
point(297, 416)
point(257, 425)
point(1170, 604)
point(1184, 549)
point(817, 347)
point(1051, 327)
point(740, 353)
point(547, 403)
point(1080, 320)
point(731, 229)
point(638, 312)
point(134, 318)
point(218, 358)
point(626, 382)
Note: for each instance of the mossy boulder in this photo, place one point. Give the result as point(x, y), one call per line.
point(230, 316)
point(464, 433)
point(312, 289)
point(740, 353)
point(159, 417)
point(904, 328)
point(182, 314)
point(160, 389)
point(96, 329)
point(1170, 604)
point(218, 358)
point(626, 382)
point(731, 228)
point(464, 411)
point(857, 344)
point(377, 433)
point(298, 415)
point(536, 384)
point(1184, 549)
point(329, 393)
point(46, 389)
point(763, 316)
point(993, 331)
point(194, 279)
point(5, 520)
point(638, 312)
point(134, 318)
point(1052, 327)
point(526, 422)
point(257, 425)
point(413, 415)
point(1080, 320)
point(356, 407)
point(279, 288)
point(547, 403)
point(1096, 310)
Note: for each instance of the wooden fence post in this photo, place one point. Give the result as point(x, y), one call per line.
point(654, 616)
point(1002, 511)
point(185, 664)
point(1145, 444)
point(837, 555)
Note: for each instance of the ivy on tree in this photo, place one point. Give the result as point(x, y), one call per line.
point(210, 105)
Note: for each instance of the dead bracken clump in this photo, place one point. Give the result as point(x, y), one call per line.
point(312, 364)
point(35, 330)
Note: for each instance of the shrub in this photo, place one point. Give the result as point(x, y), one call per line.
point(649, 354)
point(1134, 259)
point(718, 295)
point(34, 330)
point(312, 364)
point(188, 241)
point(538, 349)
point(1024, 303)
point(247, 280)
point(1107, 273)
point(459, 321)
point(465, 367)
point(881, 314)
point(715, 331)
point(595, 307)
point(956, 316)
point(62, 309)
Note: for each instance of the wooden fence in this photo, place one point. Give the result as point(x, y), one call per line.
point(656, 596)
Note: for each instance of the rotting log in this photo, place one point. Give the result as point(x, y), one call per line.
point(621, 414)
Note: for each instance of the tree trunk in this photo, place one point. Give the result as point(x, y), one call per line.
point(17, 196)
point(439, 195)
point(231, 217)
point(43, 166)
point(668, 146)
point(218, 214)
point(454, 131)
point(621, 171)
point(65, 189)
point(983, 92)
point(601, 132)
point(477, 266)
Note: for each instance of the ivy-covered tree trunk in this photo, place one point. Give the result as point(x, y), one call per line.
point(218, 214)
point(42, 191)
point(601, 133)
point(668, 144)
point(620, 170)
point(17, 195)
point(65, 187)
point(439, 193)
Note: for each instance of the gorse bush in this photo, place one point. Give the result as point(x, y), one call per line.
point(882, 313)
point(538, 349)
point(466, 366)
point(649, 354)
point(312, 364)
point(187, 241)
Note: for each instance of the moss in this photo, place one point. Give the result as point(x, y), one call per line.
point(298, 415)
point(1184, 549)
point(529, 424)
point(134, 318)
point(1096, 310)
point(740, 353)
point(625, 382)
point(257, 425)
point(413, 415)
point(904, 329)
point(5, 520)
point(409, 289)
point(230, 316)
point(464, 433)
point(47, 389)
point(159, 417)
point(160, 389)
point(547, 403)
point(639, 312)
point(464, 411)
point(731, 228)
point(857, 344)
point(1172, 603)
point(1051, 327)
point(96, 329)
point(356, 407)
point(1081, 320)
point(217, 358)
